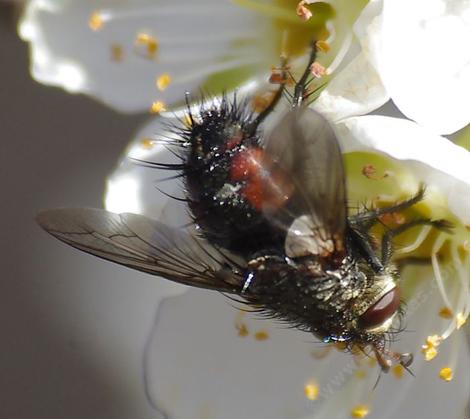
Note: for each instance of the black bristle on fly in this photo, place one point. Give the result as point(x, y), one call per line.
point(212, 138)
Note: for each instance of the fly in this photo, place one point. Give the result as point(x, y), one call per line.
point(273, 225)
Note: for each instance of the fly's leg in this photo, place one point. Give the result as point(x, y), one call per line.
point(387, 239)
point(360, 240)
point(365, 220)
point(302, 84)
point(299, 89)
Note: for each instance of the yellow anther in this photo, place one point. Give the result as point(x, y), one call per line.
point(429, 354)
point(460, 320)
point(117, 53)
point(302, 12)
point(149, 42)
point(369, 171)
point(360, 374)
point(261, 335)
point(398, 371)
point(311, 391)
point(446, 313)
point(163, 81)
point(317, 70)
point(360, 411)
point(96, 21)
point(157, 107)
point(429, 348)
point(146, 143)
point(322, 46)
point(242, 329)
point(446, 374)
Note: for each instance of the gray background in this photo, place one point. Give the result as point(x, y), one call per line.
point(61, 334)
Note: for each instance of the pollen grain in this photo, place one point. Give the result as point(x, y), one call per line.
point(460, 320)
point(429, 349)
point(311, 391)
point(446, 313)
point(149, 42)
point(96, 21)
point(360, 411)
point(163, 81)
point(157, 107)
point(117, 53)
point(261, 335)
point(446, 374)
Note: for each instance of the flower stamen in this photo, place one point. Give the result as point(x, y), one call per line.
point(460, 320)
point(446, 313)
point(423, 234)
point(311, 390)
point(398, 371)
point(163, 81)
point(322, 46)
point(446, 374)
point(429, 349)
point(341, 53)
point(148, 42)
point(436, 268)
point(157, 107)
point(317, 70)
point(96, 21)
point(360, 411)
point(261, 335)
point(117, 53)
point(303, 12)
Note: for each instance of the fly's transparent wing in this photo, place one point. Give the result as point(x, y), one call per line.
point(146, 245)
point(305, 149)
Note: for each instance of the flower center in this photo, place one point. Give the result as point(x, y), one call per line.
point(381, 182)
point(290, 35)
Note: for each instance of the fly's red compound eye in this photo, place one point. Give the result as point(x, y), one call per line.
point(382, 310)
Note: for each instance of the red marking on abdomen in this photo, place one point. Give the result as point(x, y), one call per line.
point(266, 184)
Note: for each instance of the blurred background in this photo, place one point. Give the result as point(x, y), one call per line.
point(61, 328)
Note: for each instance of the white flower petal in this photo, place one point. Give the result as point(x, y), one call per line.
point(367, 29)
point(197, 363)
point(133, 187)
point(355, 90)
point(424, 60)
point(435, 160)
point(425, 395)
point(459, 201)
point(195, 41)
point(198, 366)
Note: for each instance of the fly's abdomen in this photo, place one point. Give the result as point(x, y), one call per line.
point(227, 181)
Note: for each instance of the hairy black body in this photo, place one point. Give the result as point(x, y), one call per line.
point(272, 222)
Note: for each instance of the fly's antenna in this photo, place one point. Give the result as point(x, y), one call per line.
point(301, 85)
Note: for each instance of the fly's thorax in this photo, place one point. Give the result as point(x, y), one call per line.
point(350, 303)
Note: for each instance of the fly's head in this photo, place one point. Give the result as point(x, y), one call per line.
point(366, 313)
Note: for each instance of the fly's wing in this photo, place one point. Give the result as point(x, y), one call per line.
point(146, 245)
point(304, 147)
